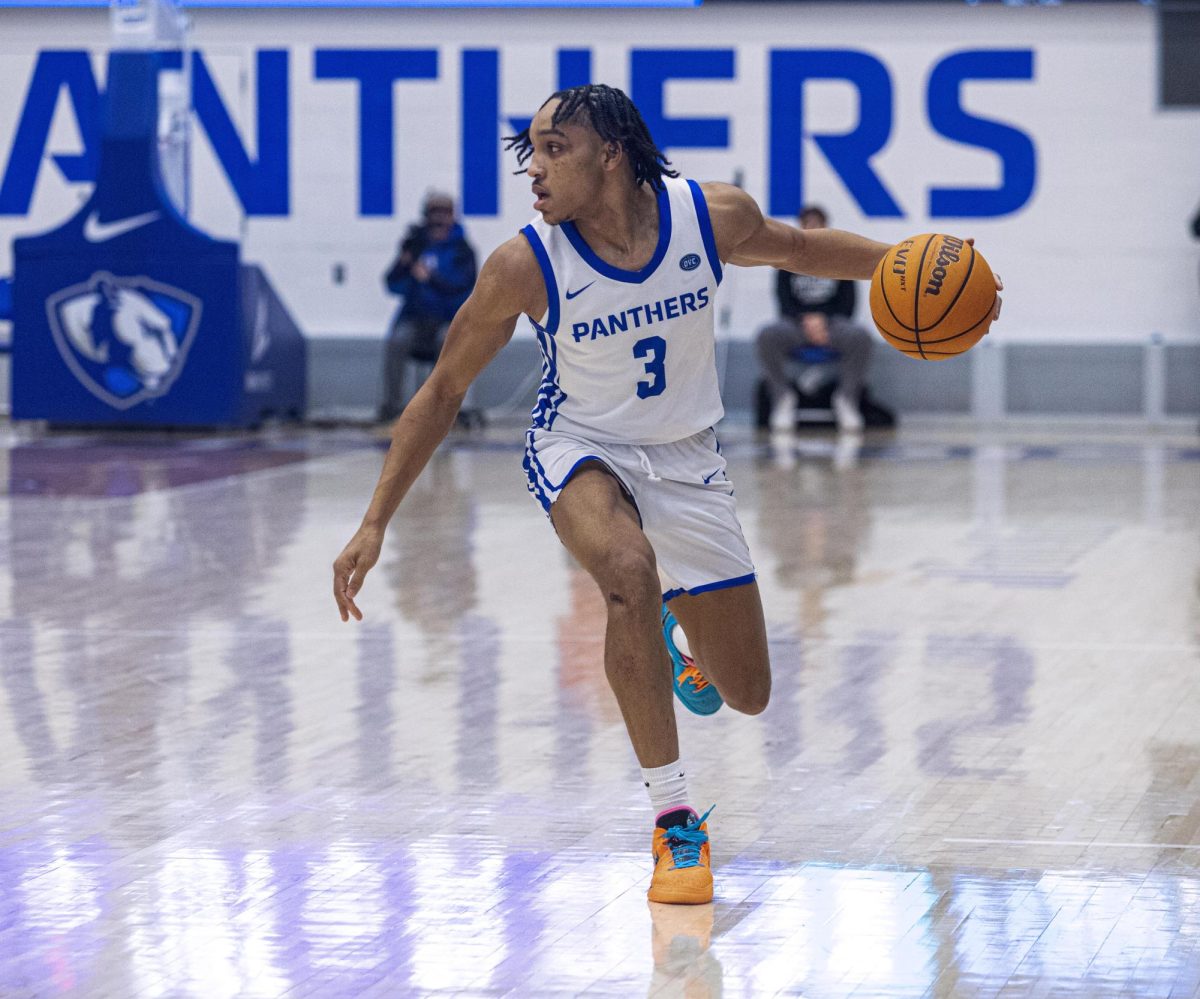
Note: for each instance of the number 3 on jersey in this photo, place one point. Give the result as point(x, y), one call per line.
point(655, 348)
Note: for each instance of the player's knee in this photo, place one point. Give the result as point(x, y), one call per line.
point(629, 579)
point(752, 698)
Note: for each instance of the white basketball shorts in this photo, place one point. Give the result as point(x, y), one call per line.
point(680, 491)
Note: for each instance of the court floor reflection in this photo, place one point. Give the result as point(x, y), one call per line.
point(977, 776)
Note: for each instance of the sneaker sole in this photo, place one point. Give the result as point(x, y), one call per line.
point(680, 898)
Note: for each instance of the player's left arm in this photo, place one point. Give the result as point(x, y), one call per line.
point(746, 237)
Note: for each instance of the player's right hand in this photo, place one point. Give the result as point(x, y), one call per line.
point(351, 567)
point(999, 288)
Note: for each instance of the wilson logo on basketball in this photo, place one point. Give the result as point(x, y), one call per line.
point(690, 262)
point(950, 253)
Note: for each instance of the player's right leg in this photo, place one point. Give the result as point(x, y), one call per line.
point(599, 526)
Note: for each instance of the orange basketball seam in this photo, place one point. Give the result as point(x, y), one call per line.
point(957, 295)
point(884, 295)
point(946, 339)
point(917, 294)
point(888, 302)
point(933, 354)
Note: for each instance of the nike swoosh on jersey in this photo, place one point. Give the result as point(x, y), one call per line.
point(95, 231)
point(708, 478)
point(579, 291)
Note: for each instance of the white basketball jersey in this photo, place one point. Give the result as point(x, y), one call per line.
point(628, 356)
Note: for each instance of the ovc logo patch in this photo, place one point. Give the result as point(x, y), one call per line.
point(125, 338)
point(690, 262)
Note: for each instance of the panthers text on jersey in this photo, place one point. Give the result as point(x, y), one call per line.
point(629, 356)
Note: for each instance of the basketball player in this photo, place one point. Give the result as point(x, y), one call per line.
point(619, 276)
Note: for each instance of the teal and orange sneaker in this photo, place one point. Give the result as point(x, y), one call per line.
point(682, 867)
point(691, 686)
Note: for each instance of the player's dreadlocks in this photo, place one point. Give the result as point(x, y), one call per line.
point(615, 118)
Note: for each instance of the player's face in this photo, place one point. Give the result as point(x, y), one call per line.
point(566, 167)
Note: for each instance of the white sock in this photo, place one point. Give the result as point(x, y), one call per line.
point(667, 786)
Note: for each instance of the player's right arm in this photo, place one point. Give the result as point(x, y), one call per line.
point(509, 284)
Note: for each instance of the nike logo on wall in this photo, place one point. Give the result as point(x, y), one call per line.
point(579, 291)
point(95, 231)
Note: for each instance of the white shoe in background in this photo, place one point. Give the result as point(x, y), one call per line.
point(849, 419)
point(846, 450)
point(783, 413)
point(783, 449)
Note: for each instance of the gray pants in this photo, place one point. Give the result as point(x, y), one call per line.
point(409, 340)
point(777, 341)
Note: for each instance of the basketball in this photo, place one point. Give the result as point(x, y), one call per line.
point(932, 296)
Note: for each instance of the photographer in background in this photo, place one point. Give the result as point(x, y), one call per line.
point(434, 271)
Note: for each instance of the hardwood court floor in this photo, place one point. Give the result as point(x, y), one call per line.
point(979, 775)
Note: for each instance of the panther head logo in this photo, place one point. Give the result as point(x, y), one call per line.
point(125, 339)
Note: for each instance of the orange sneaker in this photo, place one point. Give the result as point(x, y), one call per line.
point(682, 869)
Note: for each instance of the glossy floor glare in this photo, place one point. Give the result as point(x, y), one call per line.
point(979, 774)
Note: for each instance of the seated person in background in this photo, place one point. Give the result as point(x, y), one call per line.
point(814, 312)
point(435, 272)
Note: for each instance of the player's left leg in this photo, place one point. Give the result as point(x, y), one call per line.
point(727, 636)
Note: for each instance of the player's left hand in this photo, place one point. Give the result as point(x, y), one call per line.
point(999, 287)
point(350, 568)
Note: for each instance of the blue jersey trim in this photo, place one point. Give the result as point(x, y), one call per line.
point(721, 584)
point(616, 273)
point(574, 468)
point(706, 229)
point(546, 492)
point(543, 259)
point(535, 473)
point(550, 396)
